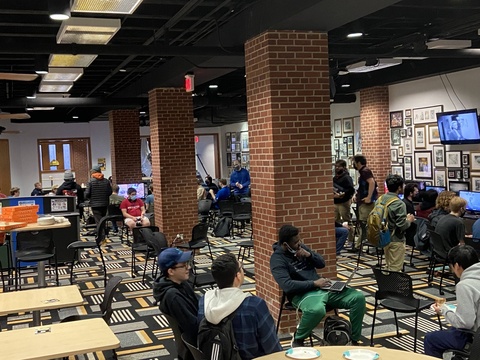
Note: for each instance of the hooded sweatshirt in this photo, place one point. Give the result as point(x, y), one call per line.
point(98, 191)
point(71, 186)
point(467, 314)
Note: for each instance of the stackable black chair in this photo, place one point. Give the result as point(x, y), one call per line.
point(242, 212)
point(156, 242)
point(439, 256)
point(182, 349)
point(139, 244)
point(114, 214)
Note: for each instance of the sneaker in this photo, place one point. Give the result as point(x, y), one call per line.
point(296, 342)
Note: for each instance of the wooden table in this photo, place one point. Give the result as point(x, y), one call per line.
point(336, 353)
point(40, 299)
point(61, 340)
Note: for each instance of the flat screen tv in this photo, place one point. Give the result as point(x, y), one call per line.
point(438, 189)
point(473, 200)
point(459, 127)
point(140, 187)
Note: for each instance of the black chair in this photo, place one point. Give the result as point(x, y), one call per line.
point(471, 351)
point(156, 242)
point(244, 246)
point(395, 293)
point(204, 207)
point(225, 208)
point(199, 239)
point(196, 352)
point(114, 214)
point(473, 242)
point(439, 256)
point(182, 349)
point(140, 245)
point(242, 212)
point(79, 246)
point(32, 247)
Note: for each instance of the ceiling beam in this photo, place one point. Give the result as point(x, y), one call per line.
point(75, 102)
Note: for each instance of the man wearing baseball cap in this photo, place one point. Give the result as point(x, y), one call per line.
point(174, 293)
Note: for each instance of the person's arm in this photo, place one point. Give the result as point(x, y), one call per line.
point(267, 336)
point(59, 191)
point(88, 191)
point(466, 312)
point(182, 311)
point(350, 189)
point(233, 179)
point(371, 188)
point(460, 232)
point(109, 188)
point(246, 178)
point(399, 209)
point(142, 209)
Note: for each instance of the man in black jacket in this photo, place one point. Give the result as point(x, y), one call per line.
point(71, 188)
point(98, 192)
point(343, 191)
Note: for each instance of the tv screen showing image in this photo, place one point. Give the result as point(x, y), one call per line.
point(438, 189)
point(140, 187)
point(459, 127)
point(473, 200)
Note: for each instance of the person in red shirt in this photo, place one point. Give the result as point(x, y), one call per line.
point(133, 210)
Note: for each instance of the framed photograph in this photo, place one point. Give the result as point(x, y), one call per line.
point(408, 113)
point(458, 174)
point(228, 139)
point(475, 161)
point(394, 155)
point(458, 185)
point(409, 132)
point(407, 159)
point(408, 171)
point(451, 174)
point(400, 151)
point(337, 126)
point(403, 133)
point(400, 160)
point(336, 144)
point(244, 141)
point(420, 138)
point(439, 156)
point(453, 159)
point(407, 145)
point(343, 151)
point(396, 119)
point(426, 114)
point(408, 121)
point(466, 173)
point(348, 126)
point(397, 170)
point(465, 159)
point(475, 178)
point(433, 134)
point(229, 159)
point(440, 178)
point(396, 138)
point(423, 164)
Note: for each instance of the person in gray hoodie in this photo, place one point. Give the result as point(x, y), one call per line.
point(252, 324)
point(463, 260)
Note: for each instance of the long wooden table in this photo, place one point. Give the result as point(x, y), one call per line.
point(336, 353)
point(57, 340)
point(40, 299)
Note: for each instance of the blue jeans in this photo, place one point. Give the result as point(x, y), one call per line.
point(341, 235)
point(437, 342)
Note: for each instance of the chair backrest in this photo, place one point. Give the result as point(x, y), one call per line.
point(204, 206)
point(196, 352)
point(437, 244)
point(177, 333)
point(226, 207)
point(475, 348)
point(114, 210)
point(40, 241)
point(101, 229)
point(473, 242)
point(106, 305)
point(393, 283)
point(242, 208)
point(246, 199)
point(154, 239)
point(199, 233)
point(138, 235)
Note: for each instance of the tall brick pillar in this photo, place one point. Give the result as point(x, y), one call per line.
point(290, 152)
point(125, 146)
point(375, 128)
point(173, 161)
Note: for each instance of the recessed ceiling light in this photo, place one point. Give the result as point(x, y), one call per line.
point(63, 74)
point(64, 60)
point(354, 35)
point(213, 86)
point(87, 31)
point(74, 117)
point(59, 9)
point(57, 87)
point(123, 70)
point(142, 112)
point(345, 85)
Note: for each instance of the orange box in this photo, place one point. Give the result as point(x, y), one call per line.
point(26, 214)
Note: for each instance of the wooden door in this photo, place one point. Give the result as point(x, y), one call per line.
point(5, 180)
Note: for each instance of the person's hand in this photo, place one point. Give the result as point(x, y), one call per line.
point(345, 225)
point(336, 195)
point(410, 217)
point(437, 309)
point(354, 198)
point(301, 252)
point(367, 200)
point(321, 282)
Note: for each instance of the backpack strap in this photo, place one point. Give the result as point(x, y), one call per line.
point(385, 209)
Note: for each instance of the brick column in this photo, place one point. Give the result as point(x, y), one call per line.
point(375, 128)
point(290, 152)
point(125, 146)
point(173, 161)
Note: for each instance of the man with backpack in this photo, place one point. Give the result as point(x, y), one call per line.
point(233, 323)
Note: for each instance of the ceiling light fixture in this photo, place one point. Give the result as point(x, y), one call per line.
point(449, 44)
point(74, 117)
point(345, 85)
point(55, 87)
point(213, 86)
point(63, 60)
point(41, 64)
point(123, 70)
point(106, 6)
point(41, 108)
point(87, 31)
point(354, 35)
point(63, 74)
point(59, 9)
point(361, 66)
point(53, 95)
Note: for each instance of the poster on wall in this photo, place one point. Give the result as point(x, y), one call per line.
point(423, 164)
point(426, 115)
point(102, 163)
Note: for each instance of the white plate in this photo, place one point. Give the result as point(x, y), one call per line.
point(360, 354)
point(302, 353)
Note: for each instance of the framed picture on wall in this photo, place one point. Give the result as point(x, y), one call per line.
point(458, 174)
point(336, 144)
point(397, 170)
point(396, 119)
point(433, 134)
point(475, 178)
point(244, 141)
point(407, 159)
point(475, 161)
point(453, 159)
point(440, 178)
point(423, 164)
point(420, 138)
point(407, 145)
point(451, 174)
point(229, 159)
point(466, 173)
point(465, 159)
point(396, 137)
point(408, 171)
point(394, 155)
point(409, 132)
point(408, 121)
point(228, 141)
point(337, 126)
point(408, 113)
point(348, 126)
point(426, 114)
point(403, 133)
point(400, 151)
point(458, 185)
point(439, 156)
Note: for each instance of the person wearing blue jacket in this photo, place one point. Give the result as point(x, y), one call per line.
point(293, 266)
point(240, 180)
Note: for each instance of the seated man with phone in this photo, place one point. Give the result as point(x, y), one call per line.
point(293, 266)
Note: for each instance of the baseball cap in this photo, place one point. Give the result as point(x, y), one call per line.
point(68, 175)
point(96, 168)
point(172, 256)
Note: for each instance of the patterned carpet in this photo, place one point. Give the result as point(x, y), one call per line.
point(144, 333)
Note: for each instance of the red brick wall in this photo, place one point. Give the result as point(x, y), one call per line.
point(173, 161)
point(375, 128)
point(290, 152)
point(81, 158)
point(125, 146)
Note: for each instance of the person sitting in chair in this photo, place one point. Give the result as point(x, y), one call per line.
point(133, 210)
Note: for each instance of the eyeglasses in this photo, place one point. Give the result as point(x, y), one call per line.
point(185, 265)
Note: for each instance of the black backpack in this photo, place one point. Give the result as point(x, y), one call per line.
point(223, 227)
point(337, 331)
point(217, 342)
point(422, 236)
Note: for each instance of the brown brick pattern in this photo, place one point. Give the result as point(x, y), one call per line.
point(173, 161)
point(125, 146)
point(81, 159)
point(375, 128)
point(290, 151)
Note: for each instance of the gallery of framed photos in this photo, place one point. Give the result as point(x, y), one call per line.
point(237, 148)
point(417, 154)
point(346, 142)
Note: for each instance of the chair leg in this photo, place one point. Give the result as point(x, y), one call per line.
point(441, 280)
point(311, 340)
point(279, 317)
point(104, 267)
point(415, 333)
point(411, 257)
point(396, 322)
point(132, 270)
point(75, 255)
point(147, 255)
point(373, 322)
point(439, 321)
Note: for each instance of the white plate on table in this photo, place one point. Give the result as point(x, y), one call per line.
point(302, 353)
point(360, 354)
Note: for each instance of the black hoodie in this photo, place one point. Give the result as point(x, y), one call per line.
point(71, 186)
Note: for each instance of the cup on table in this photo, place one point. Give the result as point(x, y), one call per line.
point(440, 301)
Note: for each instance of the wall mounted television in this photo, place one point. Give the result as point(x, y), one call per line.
point(459, 127)
point(473, 200)
point(140, 187)
point(438, 189)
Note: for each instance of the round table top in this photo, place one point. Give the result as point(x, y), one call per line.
point(336, 353)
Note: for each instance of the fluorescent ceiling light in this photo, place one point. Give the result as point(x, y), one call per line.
point(411, 57)
point(360, 67)
point(53, 95)
point(354, 35)
point(345, 85)
point(213, 86)
point(63, 74)
point(62, 60)
point(40, 108)
point(449, 44)
point(55, 87)
point(74, 117)
point(106, 6)
point(87, 31)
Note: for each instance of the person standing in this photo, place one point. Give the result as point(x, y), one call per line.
point(365, 196)
point(240, 180)
point(37, 191)
point(98, 192)
point(343, 191)
point(71, 188)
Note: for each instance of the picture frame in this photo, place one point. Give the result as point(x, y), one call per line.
point(244, 141)
point(396, 138)
point(337, 128)
point(400, 151)
point(407, 159)
point(400, 160)
point(336, 144)
point(228, 141)
point(408, 113)
point(451, 174)
point(457, 186)
point(426, 114)
point(465, 159)
point(394, 155)
point(403, 133)
point(453, 159)
point(474, 161)
point(408, 171)
point(408, 121)
point(229, 159)
point(348, 126)
point(397, 170)
point(439, 156)
point(407, 146)
point(410, 131)
point(475, 180)
point(433, 134)
point(458, 174)
point(440, 178)
point(396, 119)
point(420, 138)
point(423, 164)
point(466, 173)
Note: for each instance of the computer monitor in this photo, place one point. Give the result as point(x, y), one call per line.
point(473, 200)
point(400, 196)
point(438, 189)
point(139, 187)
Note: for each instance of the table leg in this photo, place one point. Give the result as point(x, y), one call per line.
point(41, 283)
